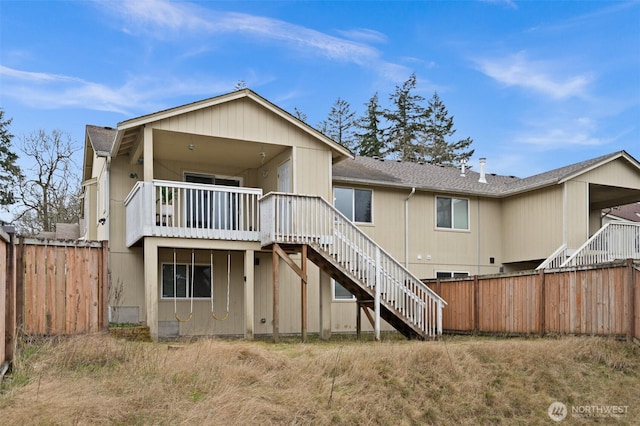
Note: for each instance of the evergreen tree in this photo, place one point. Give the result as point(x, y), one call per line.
point(9, 170)
point(299, 114)
point(369, 142)
point(439, 127)
point(406, 122)
point(340, 124)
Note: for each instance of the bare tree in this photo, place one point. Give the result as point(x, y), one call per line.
point(49, 192)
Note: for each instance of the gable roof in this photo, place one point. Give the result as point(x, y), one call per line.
point(429, 177)
point(100, 141)
point(125, 127)
point(630, 212)
point(100, 138)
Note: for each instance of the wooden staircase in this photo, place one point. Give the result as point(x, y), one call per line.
point(353, 259)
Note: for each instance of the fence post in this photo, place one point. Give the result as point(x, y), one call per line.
point(105, 282)
point(476, 304)
point(19, 305)
point(542, 301)
point(630, 278)
point(11, 330)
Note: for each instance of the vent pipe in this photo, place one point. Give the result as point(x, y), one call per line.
point(483, 164)
point(463, 163)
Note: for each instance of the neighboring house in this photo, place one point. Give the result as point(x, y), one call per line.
point(625, 213)
point(64, 231)
point(199, 202)
point(442, 221)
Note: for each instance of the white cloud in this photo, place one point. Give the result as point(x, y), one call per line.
point(364, 34)
point(508, 3)
point(51, 91)
point(159, 17)
point(539, 76)
point(559, 134)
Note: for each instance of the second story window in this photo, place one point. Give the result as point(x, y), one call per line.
point(452, 213)
point(354, 203)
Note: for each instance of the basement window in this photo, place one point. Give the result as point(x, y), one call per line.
point(452, 213)
point(446, 274)
point(183, 286)
point(341, 293)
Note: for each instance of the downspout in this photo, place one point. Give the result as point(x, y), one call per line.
point(479, 237)
point(406, 228)
point(108, 204)
point(107, 213)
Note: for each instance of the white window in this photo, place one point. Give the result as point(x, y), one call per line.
point(354, 203)
point(447, 274)
point(452, 213)
point(201, 286)
point(341, 293)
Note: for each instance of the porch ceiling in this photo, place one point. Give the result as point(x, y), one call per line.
point(603, 196)
point(206, 149)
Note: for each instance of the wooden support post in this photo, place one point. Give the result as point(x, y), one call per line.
point(104, 285)
point(276, 305)
point(303, 293)
point(476, 304)
point(358, 319)
point(19, 303)
point(631, 286)
point(542, 301)
point(10, 338)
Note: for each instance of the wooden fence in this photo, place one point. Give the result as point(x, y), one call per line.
point(594, 300)
point(58, 287)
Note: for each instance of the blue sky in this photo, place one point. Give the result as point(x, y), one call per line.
point(537, 85)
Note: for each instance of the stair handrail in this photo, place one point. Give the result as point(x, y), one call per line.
point(556, 259)
point(328, 223)
point(600, 242)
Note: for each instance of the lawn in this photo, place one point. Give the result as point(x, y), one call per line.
point(99, 379)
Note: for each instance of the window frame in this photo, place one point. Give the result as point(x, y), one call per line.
point(452, 274)
point(334, 298)
point(353, 203)
point(452, 214)
point(187, 266)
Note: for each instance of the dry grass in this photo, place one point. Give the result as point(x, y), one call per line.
point(102, 380)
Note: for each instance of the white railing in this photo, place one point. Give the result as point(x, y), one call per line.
point(555, 260)
point(301, 219)
point(613, 241)
point(178, 209)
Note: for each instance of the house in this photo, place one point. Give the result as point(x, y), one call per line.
point(443, 221)
point(229, 216)
point(625, 213)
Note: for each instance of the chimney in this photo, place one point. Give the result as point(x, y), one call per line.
point(483, 163)
point(463, 163)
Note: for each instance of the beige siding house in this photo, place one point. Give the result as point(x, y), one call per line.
point(229, 216)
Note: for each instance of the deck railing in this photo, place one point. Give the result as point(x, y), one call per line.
point(613, 241)
point(179, 209)
point(301, 219)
